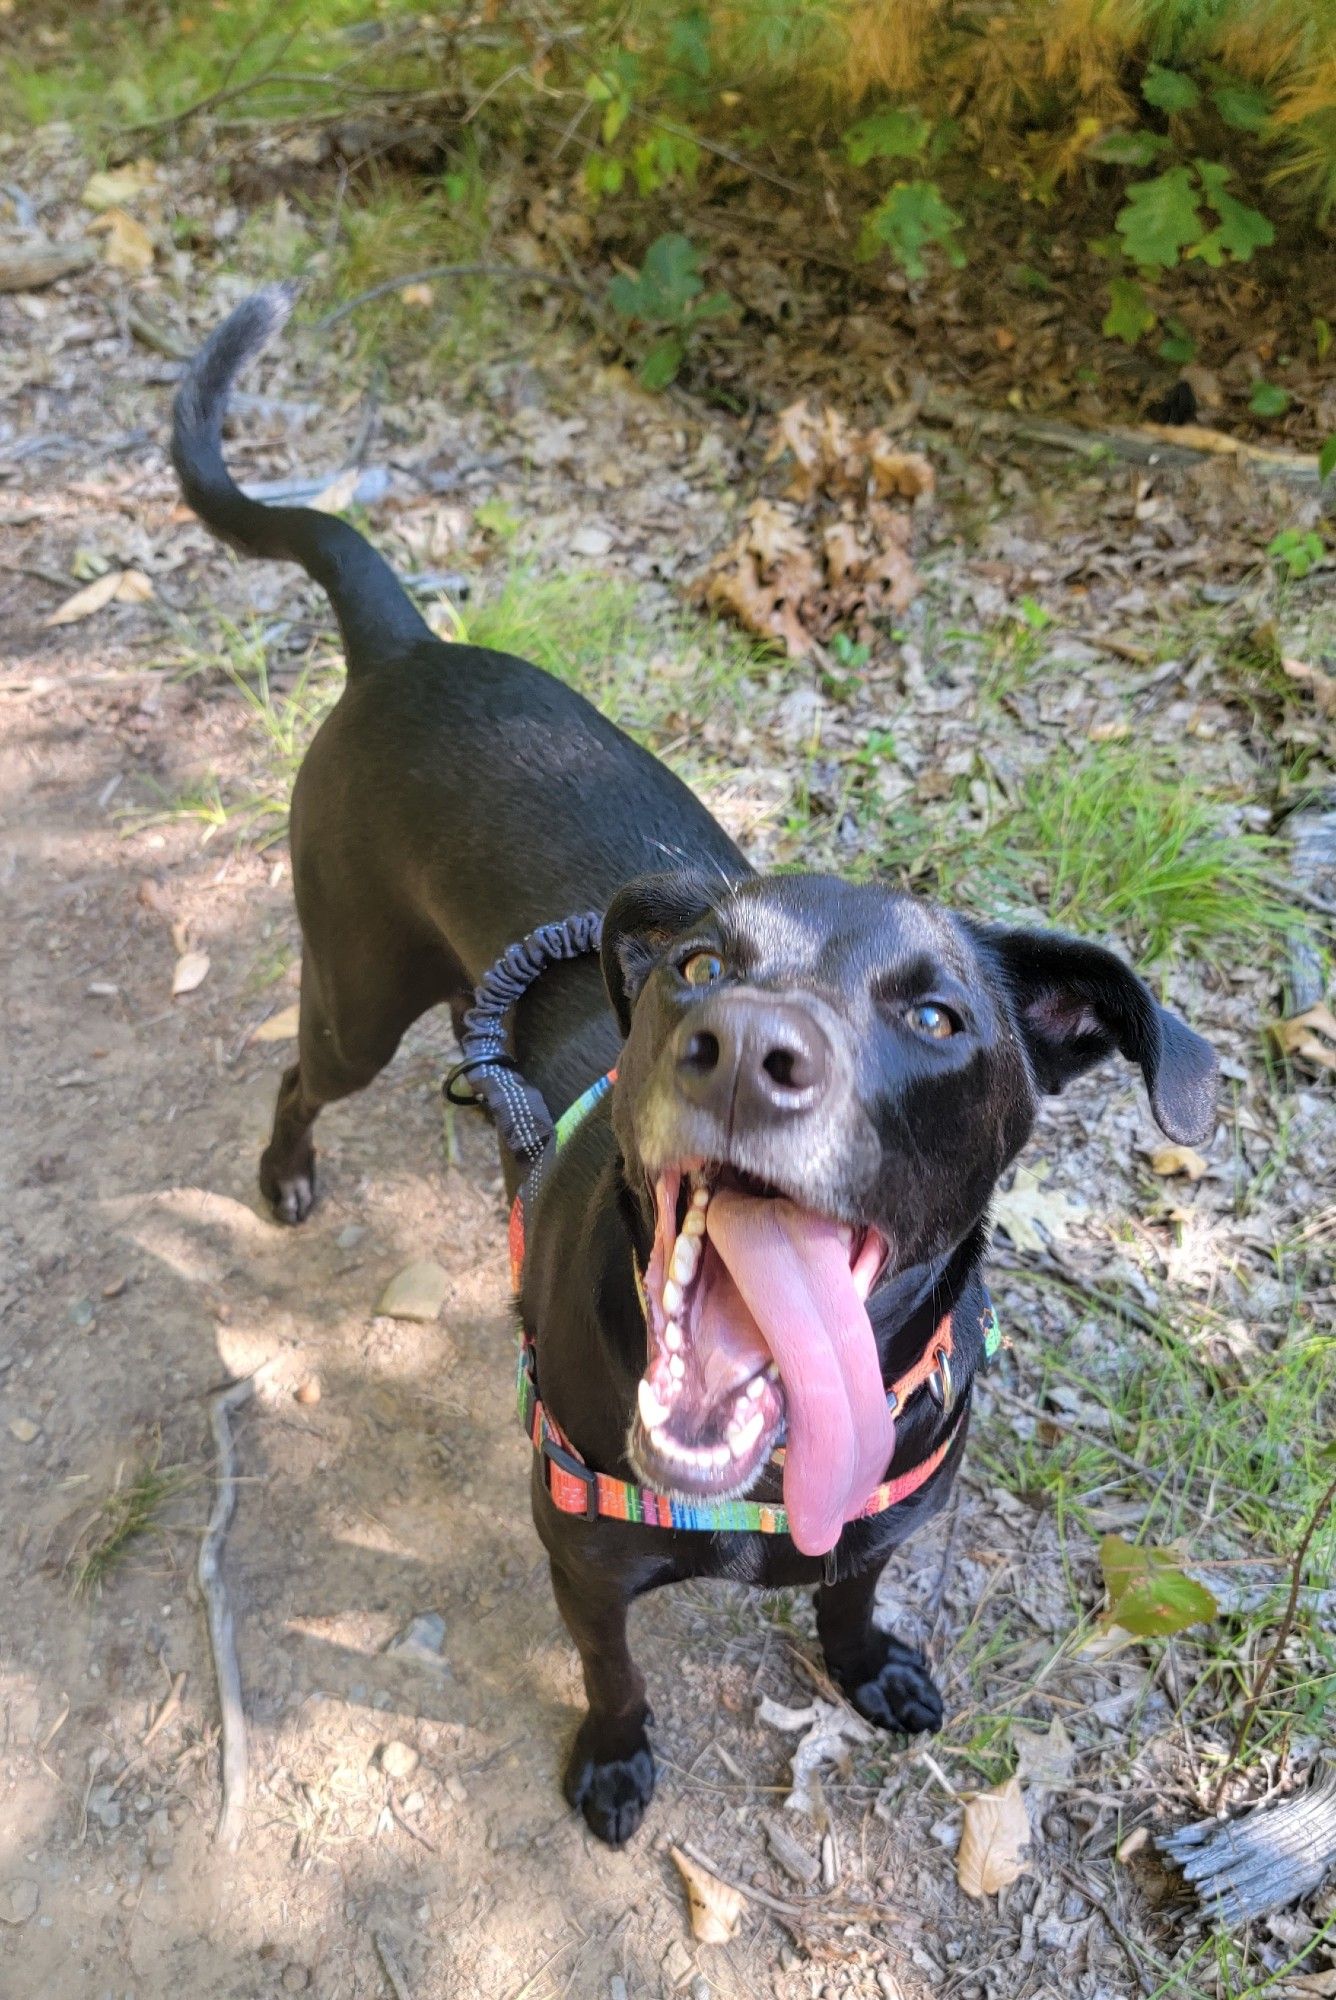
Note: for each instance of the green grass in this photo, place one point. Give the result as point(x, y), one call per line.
point(1109, 840)
point(130, 1511)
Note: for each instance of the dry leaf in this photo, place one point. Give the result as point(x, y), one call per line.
point(1044, 1757)
point(1029, 1212)
point(1178, 1160)
point(192, 969)
point(1321, 685)
point(1302, 1036)
point(713, 1906)
point(129, 245)
point(416, 295)
point(993, 1840)
point(1108, 732)
point(339, 493)
point(93, 597)
point(120, 184)
point(279, 1027)
point(134, 587)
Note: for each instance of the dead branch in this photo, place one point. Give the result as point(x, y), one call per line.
point(222, 1635)
point(390, 1965)
point(509, 273)
point(1268, 1666)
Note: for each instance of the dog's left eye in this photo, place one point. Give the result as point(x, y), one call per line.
point(930, 1021)
point(702, 969)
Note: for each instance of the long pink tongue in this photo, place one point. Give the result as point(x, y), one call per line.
point(792, 1269)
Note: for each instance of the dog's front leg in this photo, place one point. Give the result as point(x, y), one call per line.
point(887, 1682)
point(610, 1774)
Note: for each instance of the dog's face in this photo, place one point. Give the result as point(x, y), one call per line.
point(821, 1082)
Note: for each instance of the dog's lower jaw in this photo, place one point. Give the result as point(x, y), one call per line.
point(610, 1775)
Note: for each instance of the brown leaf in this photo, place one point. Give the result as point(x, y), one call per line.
point(94, 596)
point(279, 1027)
point(1322, 686)
point(134, 587)
point(416, 295)
point(895, 471)
point(713, 1906)
point(1044, 1757)
point(772, 532)
point(129, 245)
point(192, 969)
point(1303, 1034)
point(1178, 1160)
point(843, 551)
point(993, 1840)
point(338, 495)
point(119, 184)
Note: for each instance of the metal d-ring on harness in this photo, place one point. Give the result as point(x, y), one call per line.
point(529, 1131)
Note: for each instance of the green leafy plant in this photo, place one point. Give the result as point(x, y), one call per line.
point(1268, 399)
point(1296, 551)
point(667, 295)
point(913, 217)
point(1326, 459)
point(1150, 1594)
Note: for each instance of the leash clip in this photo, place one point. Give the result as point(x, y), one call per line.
point(559, 1456)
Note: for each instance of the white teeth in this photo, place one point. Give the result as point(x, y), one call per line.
point(700, 1197)
point(694, 1225)
point(660, 1439)
point(673, 1296)
point(720, 1456)
point(652, 1411)
point(672, 1336)
point(756, 1388)
point(772, 1370)
point(743, 1440)
point(686, 1256)
point(677, 1367)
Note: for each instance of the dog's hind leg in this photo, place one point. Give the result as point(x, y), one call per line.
point(355, 1009)
point(887, 1682)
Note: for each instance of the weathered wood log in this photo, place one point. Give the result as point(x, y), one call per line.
point(26, 267)
point(1242, 1868)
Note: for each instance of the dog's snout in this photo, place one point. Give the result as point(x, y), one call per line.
point(752, 1057)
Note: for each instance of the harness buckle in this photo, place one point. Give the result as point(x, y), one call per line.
point(559, 1456)
point(940, 1386)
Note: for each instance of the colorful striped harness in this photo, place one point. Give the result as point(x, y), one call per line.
point(576, 1488)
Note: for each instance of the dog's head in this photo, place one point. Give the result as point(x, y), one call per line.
point(822, 1082)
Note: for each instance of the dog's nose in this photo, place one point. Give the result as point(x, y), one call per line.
point(752, 1057)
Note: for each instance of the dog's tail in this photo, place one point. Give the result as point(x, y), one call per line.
point(374, 611)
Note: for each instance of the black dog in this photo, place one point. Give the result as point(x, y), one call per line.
point(779, 1210)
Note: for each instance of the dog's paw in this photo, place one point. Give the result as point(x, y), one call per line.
point(612, 1791)
point(894, 1689)
point(290, 1193)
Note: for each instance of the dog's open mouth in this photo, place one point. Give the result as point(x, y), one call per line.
point(757, 1320)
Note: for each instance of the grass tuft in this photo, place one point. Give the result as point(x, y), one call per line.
point(130, 1510)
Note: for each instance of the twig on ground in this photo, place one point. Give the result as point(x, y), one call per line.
point(170, 1709)
point(1268, 1666)
point(1244, 1868)
point(390, 1965)
point(510, 273)
point(805, 1912)
point(222, 1635)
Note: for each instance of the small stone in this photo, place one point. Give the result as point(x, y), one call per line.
point(102, 989)
point(81, 1312)
point(18, 1900)
point(457, 1789)
point(417, 1292)
point(700, 1987)
point(309, 1390)
point(22, 1428)
point(413, 1803)
point(160, 1858)
point(114, 1286)
point(617, 1989)
point(350, 1236)
point(104, 1808)
point(591, 540)
point(677, 1964)
point(398, 1760)
point(296, 1979)
point(421, 1641)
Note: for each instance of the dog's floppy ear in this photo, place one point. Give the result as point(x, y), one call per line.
point(1076, 1003)
point(642, 918)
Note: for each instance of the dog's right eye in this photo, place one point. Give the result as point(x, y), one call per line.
point(702, 968)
